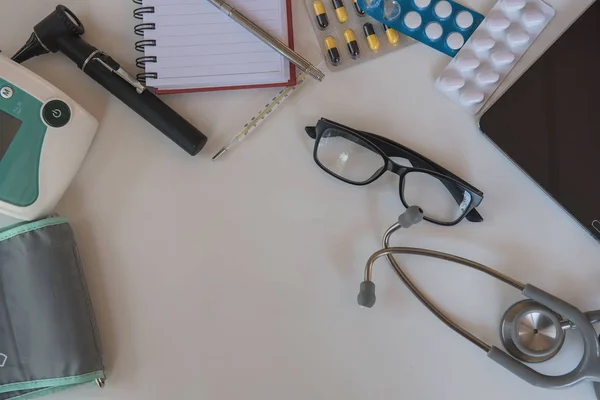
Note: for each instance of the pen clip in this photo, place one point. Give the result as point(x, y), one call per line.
point(107, 62)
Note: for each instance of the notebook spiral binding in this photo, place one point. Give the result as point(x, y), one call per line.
point(141, 45)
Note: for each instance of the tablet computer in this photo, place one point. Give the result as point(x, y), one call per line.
point(548, 122)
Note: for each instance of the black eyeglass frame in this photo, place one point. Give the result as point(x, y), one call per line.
point(387, 148)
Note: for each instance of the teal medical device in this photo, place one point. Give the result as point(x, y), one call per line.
point(44, 137)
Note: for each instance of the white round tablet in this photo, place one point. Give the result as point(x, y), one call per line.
point(502, 57)
point(391, 10)
point(467, 63)
point(434, 31)
point(513, 5)
point(422, 3)
point(498, 23)
point(517, 38)
point(487, 77)
point(455, 40)
point(452, 82)
point(532, 18)
point(412, 20)
point(443, 9)
point(470, 97)
point(464, 19)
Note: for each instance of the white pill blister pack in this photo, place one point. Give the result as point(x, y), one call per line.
point(492, 51)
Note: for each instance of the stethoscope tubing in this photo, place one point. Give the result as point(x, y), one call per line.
point(389, 251)
point(587, 369)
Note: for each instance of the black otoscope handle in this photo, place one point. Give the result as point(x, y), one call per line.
point(108, 73)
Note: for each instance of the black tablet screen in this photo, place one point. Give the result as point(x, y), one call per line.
point(548, 122)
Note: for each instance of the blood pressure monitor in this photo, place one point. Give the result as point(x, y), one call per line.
point(44, 137)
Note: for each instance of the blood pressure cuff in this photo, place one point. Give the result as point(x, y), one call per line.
point(48, 335)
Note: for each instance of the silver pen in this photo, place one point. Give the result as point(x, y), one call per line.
point(268, 39)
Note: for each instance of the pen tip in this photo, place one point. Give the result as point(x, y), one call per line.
point(316, 73)
point(220, 153)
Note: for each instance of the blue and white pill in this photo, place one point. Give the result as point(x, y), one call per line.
point(412, 20)
point(452, 83)
point(434, 31)
point(455, 40)
point(471, 97)
point(517, 38)
point(533, 18)
point(443, 9)
point(422, 3)
point(487, 77)
point(464, 20)
point(502, 57)
point(498, 23)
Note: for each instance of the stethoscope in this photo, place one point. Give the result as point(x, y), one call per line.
point(531, 330)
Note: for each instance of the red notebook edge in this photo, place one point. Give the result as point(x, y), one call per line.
point(291, 82)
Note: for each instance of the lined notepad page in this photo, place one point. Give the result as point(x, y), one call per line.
point(197, 46)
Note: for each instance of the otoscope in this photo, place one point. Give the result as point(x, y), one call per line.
point(61, 31)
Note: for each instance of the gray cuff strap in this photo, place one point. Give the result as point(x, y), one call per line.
point(48, 334)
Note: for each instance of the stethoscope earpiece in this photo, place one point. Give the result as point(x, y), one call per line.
point(366, 296)
point(412, 216)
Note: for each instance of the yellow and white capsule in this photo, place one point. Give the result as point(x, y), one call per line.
point(332, 51)
point(340, 10)
point(320, 14)
point(351, 43)
point(371, 36)
point(392, 35)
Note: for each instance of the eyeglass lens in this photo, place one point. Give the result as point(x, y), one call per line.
point(431, 194)
point(348, 156)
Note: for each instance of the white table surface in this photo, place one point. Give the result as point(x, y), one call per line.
point(237, 279)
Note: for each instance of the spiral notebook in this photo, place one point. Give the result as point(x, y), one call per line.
point(190, 46)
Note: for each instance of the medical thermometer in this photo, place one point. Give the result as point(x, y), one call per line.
point(260, 117)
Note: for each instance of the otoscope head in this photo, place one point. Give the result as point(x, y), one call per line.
point(366, 296)
point(46, 34)
point(412, 216)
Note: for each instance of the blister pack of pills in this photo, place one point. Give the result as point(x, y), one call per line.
point(493, 50)
point(441, 24)
point(348, 36)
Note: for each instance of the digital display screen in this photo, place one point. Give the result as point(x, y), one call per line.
point(547, 122)
point(9, 126)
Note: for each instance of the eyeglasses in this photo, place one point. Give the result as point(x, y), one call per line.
point(360, 158)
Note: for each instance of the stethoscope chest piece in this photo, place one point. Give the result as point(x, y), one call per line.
point(531, 332)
